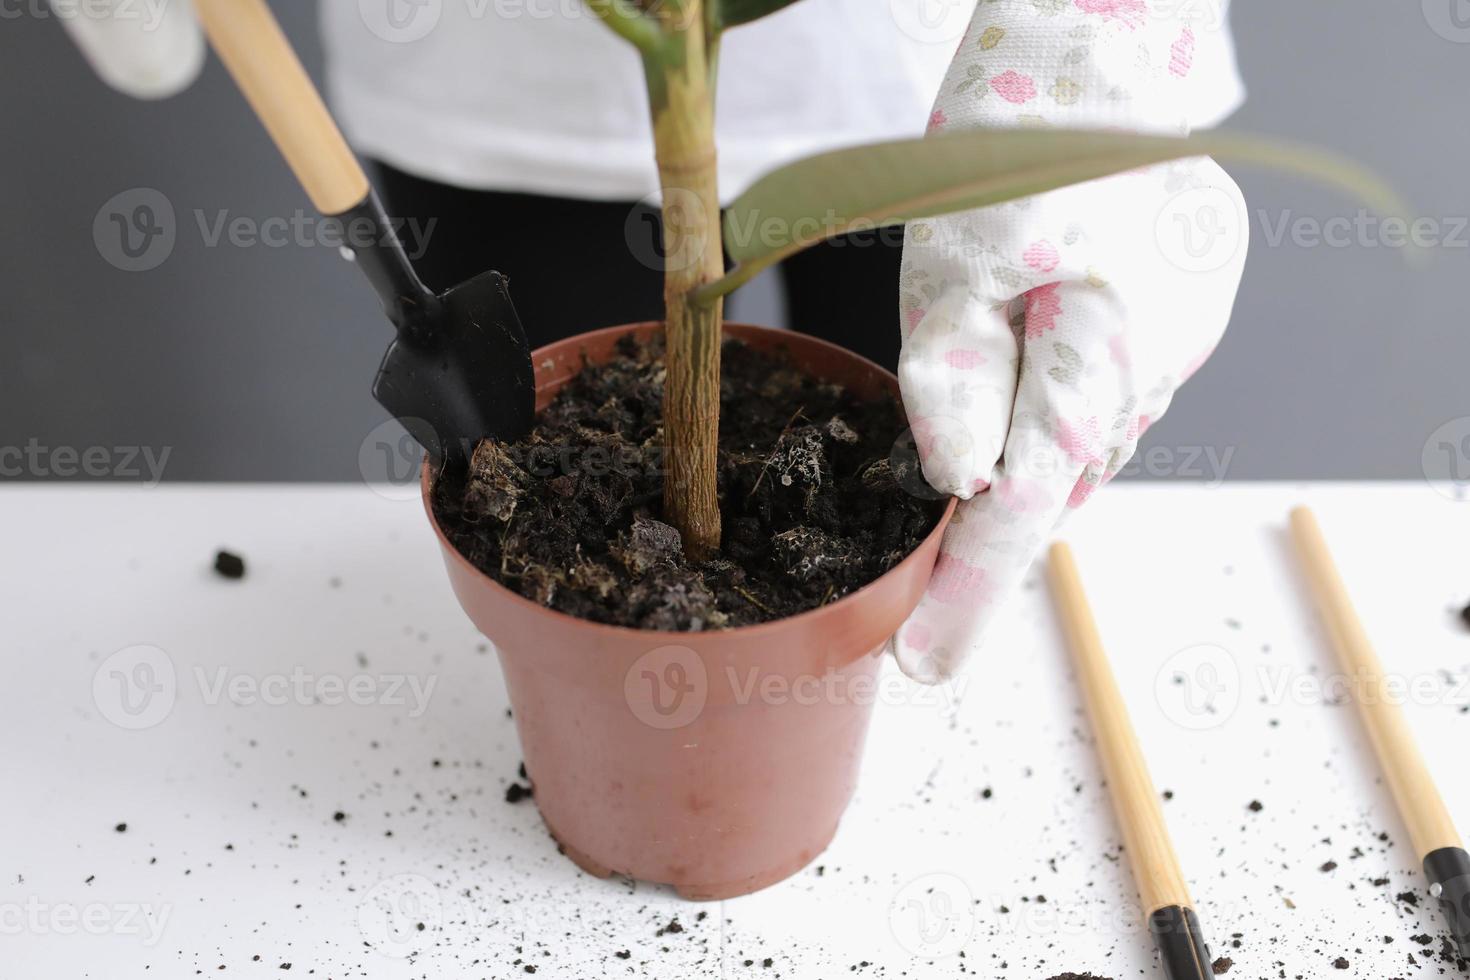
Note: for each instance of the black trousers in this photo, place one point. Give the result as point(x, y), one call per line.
point(578, 265)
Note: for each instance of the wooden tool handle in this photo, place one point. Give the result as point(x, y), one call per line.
point(1145, 836)
point(255, 51)
point(1419, 802)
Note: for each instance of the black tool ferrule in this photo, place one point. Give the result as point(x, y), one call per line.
point(366, 231)
point(1181, 943)
point(1448, 871)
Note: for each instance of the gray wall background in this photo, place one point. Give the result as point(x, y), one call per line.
point(254, 364)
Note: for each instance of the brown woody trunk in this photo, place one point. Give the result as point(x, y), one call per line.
point(683, 120)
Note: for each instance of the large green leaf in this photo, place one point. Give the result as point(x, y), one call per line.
point(733, 13)
point(890, 183)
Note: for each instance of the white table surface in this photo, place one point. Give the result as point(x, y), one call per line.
point(232, 852)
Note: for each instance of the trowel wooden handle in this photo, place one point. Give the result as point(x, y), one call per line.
point(1423, 809)
point(253, 48)
point(1172, 921)
point(1146, 837)
point(1432, 832)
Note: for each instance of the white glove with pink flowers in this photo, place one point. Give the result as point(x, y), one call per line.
point(1042, 338)
point(149, 50)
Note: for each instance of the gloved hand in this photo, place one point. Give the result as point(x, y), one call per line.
point(1041, 338)
point(146, 50)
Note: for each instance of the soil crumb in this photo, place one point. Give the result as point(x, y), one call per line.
point(1222, 965)
point(816, 501)
point(229, 565)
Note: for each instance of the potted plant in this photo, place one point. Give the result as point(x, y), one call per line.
point(694, 715)
point(692, 758)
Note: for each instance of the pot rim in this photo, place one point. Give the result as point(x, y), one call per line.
point(754, 630)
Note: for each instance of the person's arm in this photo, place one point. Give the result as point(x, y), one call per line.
point(1042, 338)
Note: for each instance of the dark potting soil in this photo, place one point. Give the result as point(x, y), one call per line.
point(816, 502)
point(229, 565)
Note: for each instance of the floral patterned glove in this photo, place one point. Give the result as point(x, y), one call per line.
point(146, 50)
point(1041, 338)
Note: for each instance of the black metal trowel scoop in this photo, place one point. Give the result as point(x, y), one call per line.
point(460, 369)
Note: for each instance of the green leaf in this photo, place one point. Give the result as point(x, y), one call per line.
point(733, 13)
point(864, 187)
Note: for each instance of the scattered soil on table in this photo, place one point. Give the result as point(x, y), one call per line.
point(814, 504)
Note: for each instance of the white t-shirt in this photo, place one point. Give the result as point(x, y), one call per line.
point(539, 96)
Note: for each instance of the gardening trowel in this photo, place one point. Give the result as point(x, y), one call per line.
point(459, 370)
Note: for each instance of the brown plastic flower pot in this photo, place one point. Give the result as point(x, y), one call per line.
point(716, 762)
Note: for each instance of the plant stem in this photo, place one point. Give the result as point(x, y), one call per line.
point(682, 100)
point(625, 17)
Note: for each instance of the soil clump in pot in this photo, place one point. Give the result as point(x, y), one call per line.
point(816, 500)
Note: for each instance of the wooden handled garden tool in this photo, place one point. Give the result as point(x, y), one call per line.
point(1161, 888)
point(1432, 833)
point(459, 369)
